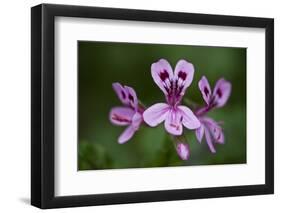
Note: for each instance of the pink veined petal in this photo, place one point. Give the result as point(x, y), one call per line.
point(137, 120)
point(199, 132)
point(183, 75)
point(155, 114)
point(121, 116)
point(209, 141)
point(121, 93)
point(189, 120)
point(215, 130)
point(126, 135)
point(173, 124)
point(133, 100)
point(162, 74)
point(220, 139)
point(205, 89)
point(222, 92)
point(183, 151)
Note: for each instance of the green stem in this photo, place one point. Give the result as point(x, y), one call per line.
point(190, 103)
point(177, 139)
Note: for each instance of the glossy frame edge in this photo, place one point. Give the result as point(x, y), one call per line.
point(42, 106)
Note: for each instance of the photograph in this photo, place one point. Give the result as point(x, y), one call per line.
point(144, 105)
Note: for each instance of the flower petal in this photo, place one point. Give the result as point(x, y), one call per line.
point(133, 100)
point(121, 116)
point(199, 132)
point(184, 72)
point(162, 74)
point(126, 135)
point(121, 93)
point(189, 120)
point(209, 141)
point(155, 114)
point(173, 123)
point(183, 151)
point(137, 120)
point(222, 92)
point(220, 139)
point(205, 89)
point(215, 130)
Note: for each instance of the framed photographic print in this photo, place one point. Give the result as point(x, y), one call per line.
point(140, 106)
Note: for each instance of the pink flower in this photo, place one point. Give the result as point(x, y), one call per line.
point(173, 85)
point(183, 151)
point(218, 97)
point(213, 132)
point(210, 128)
point(130, 114)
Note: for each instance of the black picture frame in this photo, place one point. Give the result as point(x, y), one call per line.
point(43, 102)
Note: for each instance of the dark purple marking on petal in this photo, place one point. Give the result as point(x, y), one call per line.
point(206, 91)
point(164, 75)
point(176, 83)
point(131, 98)
point(123, 94)
point(177, 127)
point(178, 91)
point(219, 137)
point(172, 85)
point(175, 86)
point(119, 118)
point(180, 88)
point(182, 75)
point(167, 89)
point(219, 93)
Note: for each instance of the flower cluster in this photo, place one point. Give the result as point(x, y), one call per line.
point(130, 114)
point(173, 113)
point(210, 128)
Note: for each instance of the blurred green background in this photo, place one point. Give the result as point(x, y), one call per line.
point(102, 63)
